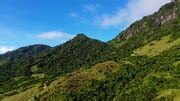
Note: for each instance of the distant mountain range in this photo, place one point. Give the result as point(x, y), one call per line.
point(141, 63)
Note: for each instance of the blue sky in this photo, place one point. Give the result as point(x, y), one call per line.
point(52, 22)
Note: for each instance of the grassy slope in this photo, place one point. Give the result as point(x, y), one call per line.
point(72, 82)
point(149, 77)
point(75, 82)
point(27, 95)
point(155, 77)
point(137, 76)
point(156, 47)
point(68, 57)
point(139, 73)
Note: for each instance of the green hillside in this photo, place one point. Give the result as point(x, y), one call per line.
point(156, 47)
point(28, 51)
point(80, 52)
point(141, 63)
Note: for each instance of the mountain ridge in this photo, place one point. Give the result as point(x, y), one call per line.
point(157, 19)
point(26, 51)
point(141, 63)
point(78, 52)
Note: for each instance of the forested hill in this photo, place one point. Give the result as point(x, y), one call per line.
point(141, 63)
point(79, 52)
point(149, 28)
point(28, 51)
point(166, 15)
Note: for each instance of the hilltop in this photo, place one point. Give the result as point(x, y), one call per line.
point(140, 63)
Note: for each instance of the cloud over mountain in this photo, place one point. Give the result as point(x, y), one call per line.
point(4, 49)
point(134, 10)
point(54, 34)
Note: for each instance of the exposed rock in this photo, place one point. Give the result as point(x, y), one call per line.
point(166, 15)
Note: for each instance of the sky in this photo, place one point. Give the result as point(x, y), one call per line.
point(53, 22)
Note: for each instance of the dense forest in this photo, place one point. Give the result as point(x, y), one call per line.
point(141, 63)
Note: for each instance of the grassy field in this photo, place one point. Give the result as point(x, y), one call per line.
point(75, 81)
point(27, 95)
point(156, 47)
point(170, 93)
point(71, 82)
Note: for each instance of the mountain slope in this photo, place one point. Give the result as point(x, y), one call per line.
point(28, 51)
point(140, 78)
point(21, 55)
point(80, 52)
point(139, 74)
point(167, 14)
point(143, 66)
point(148, 29)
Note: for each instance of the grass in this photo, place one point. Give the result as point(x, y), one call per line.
point(38, 76)
point(128, 62)
point(175, 64)
point(156, 47)
point(71, 82)
point(165, 75)
point(76, 81)
point(27, 95)
point(170, 93)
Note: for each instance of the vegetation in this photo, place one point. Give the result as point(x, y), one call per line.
point(141, 63)
point(81, 51)
point(147, 78)
point(24, 52)
point(157, 47)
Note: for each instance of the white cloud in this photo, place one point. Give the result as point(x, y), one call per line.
point(134, 10)
point(54, 34)
point(73, 14)
point(4, 49)
point(91, 7)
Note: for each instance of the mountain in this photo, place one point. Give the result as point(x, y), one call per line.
point(149, 28)
point(146, 68)
point(141, 63)
point(149, 24)
point(28, 51)
point(147, 65)
point(19, 56)
point(22, 55)
point(79, 52)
